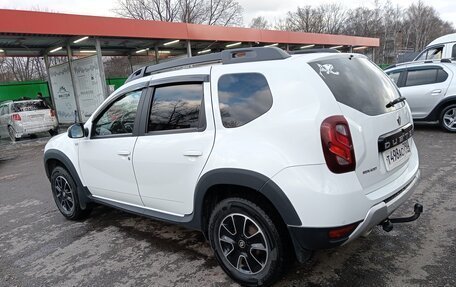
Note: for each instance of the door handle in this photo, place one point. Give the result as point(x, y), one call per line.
point(436, 92)
point(194, 153)
point(124, 153)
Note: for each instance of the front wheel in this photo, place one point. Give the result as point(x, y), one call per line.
point(448, 118)
point(54, 132)
point(246, 242)
point(64, 191)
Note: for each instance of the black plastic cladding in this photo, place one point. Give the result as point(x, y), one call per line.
point(232, 56)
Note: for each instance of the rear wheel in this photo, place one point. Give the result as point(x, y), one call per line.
point(64, 191)
point(448, 118)
point(246, 242)
point(12, 134)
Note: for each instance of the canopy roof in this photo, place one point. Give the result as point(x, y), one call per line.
point(30, 33)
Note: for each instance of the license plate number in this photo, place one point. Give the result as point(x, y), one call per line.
point(396, 156)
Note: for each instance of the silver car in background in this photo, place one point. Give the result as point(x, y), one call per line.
point(430, 90)
point(27, 117)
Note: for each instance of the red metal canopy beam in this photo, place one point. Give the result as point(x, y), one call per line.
point(44, 23)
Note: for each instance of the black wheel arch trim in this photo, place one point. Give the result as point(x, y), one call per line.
point(245, 178)
point(82, 191)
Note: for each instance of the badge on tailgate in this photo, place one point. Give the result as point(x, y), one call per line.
point(395, 138)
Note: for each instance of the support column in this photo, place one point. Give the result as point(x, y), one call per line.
point(288, 47)
point(48, 77)
point(101, 68)
point(75, 87)
point(129, 62)
point(157, 60)
point(189, 49)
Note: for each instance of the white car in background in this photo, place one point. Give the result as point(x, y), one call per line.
point(441, 48)
point(28, 117)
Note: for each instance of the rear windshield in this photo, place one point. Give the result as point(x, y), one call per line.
point(357, 83)
point(28, 106)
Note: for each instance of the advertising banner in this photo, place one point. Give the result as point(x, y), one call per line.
point(63, 91)
point(89, 85)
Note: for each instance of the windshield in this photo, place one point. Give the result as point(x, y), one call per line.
point(357, 83)
point(28, 106)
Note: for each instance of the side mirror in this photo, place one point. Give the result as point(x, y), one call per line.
point(76, 131)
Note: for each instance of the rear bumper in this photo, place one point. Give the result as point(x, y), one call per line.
point(22, 130)
point(384, 209)
point(306, 239)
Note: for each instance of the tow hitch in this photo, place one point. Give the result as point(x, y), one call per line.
point(387, 224)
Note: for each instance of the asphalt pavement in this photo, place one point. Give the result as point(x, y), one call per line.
point(38, 247)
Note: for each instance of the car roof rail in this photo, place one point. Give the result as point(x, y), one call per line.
point(316, 50)
point(231, 56)
point(444, 60)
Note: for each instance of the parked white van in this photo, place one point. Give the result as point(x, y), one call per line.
point(441, 48)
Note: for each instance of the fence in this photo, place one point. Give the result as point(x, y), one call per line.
point(30, 89)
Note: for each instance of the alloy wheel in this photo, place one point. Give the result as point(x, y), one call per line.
point(449, 119)
point(243, 243)
point(64, 194)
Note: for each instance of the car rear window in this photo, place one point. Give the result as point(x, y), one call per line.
point(28, 106)
point(357, 83)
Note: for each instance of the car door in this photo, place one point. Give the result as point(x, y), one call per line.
point(424, 87)
point(105, 158)
point(177, 141)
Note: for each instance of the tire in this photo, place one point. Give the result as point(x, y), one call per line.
point(64, 191)
point(231, 246)
point(12, 135)
point(54, 132)
point(448, 118)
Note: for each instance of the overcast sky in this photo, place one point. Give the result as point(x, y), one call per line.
point(272, 9)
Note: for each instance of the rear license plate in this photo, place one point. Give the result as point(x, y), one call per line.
point(397, 155)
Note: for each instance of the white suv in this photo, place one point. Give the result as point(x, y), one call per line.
point(267, 154)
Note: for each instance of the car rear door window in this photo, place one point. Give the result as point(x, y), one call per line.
point(243, 98)
point(425, 77)
point(176, 107)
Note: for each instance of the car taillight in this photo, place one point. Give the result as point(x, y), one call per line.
point(52, 112)
point(16, 117)
point(337, 145)
point(341, 232)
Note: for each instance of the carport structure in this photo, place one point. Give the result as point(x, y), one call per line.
point(43, 34)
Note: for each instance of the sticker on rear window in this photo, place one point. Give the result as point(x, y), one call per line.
point(328, 69)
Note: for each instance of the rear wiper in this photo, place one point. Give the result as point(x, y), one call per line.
point(396, 101)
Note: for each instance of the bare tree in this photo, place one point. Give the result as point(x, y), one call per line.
point(211, 12)
point(326, 18)
point(259, 22)
point(159, 10)
point(223, 12)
